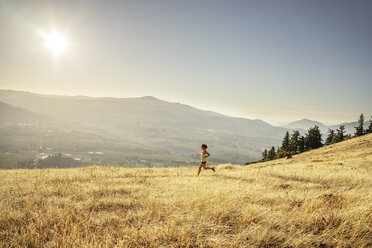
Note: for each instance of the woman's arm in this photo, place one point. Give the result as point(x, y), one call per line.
point(208, 155)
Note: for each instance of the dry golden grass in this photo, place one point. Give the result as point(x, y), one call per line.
point(320, 198)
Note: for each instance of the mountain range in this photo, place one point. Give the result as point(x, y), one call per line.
point(147, 126)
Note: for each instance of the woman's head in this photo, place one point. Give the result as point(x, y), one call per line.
point(204, 147)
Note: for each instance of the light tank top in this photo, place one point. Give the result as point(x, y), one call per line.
point(202, 155)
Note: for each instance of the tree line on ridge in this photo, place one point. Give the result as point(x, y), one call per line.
point(295, 143)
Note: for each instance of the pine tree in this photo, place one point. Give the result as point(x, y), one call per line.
point(301, 144)
point(331, 135)
point(264, 155)
point(336, 138)
point(341, 133)
point(369, 130)
point(359, 128)
point(281, 153)
point(313, 138)
point(285, 142)
point(271, 153)
point(294, 142)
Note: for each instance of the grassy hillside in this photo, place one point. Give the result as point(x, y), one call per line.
point(320, 198)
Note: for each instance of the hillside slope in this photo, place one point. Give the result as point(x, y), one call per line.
point(321, 198)
point(10, 114)
point(25, 134)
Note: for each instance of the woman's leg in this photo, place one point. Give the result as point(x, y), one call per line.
point(208, 168)
point(205, 167)
point(200, 166)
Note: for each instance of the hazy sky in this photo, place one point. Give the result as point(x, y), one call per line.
point(273, 60)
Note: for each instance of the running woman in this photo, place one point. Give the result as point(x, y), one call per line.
point(203, 155)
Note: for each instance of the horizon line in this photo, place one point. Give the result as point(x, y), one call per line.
point(168, 101)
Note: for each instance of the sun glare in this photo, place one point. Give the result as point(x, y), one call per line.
point(55, 42)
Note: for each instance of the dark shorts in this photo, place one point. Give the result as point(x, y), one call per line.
point(204, 162)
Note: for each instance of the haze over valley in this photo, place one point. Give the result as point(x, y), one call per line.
point(128, 131)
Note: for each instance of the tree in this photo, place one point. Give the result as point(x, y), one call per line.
point(341, 132)
point(282, 153)
point(271, 153)
point(331, 135)
point(29, 164)
point(359, 128)
point(301, 144)
point(285, 142)
point(313, 138)
point(369, 130)
point(294, 142)
point(336, 138)
point(264, 155)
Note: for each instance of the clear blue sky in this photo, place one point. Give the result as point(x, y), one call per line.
point(274, 60)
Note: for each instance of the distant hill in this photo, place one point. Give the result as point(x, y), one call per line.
point(304, 124)
point(10, 114)
point(155, 124)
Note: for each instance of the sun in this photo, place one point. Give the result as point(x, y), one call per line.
point(55, 42)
